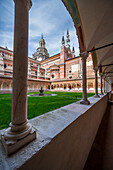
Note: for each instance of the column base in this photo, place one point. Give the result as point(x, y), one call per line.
point(86, 102)
point(101, 93)
point(14, 145)
point(97, 96)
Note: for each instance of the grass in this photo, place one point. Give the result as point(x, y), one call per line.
point(37, 105)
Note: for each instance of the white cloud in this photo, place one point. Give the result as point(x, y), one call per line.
point(6, 39)
point(49, 17)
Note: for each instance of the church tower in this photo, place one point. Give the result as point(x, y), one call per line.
point(73, 51)
point(62, 59)
point(67, 40)
point(42, 52)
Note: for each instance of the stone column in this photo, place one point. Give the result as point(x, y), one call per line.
point(2, 86)
point(63, 86)
point(104, 84)
point(10, 88)
point(84, 56)
point(96, 82)
point(20, 131)
point(105, 90)
point(101, 91)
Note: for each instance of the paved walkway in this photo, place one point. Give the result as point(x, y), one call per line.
point(101, 155)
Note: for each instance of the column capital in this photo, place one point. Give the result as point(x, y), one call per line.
point(28, 1)
point(95, 68)
point(84, 55)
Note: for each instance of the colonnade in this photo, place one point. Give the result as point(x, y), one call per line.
point(5, 85)
point(20, 132)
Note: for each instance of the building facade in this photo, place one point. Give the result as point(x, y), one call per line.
point(63, 71)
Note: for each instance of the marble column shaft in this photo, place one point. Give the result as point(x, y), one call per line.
point(2, 86)
point(20, 63)
point(104, 84)
point(84, 56)
point(19, 126)
point(101, 84)
point(96, 82)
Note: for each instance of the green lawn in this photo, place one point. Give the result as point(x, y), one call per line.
point(36, 105)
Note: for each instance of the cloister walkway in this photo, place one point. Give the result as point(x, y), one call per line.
point(101, 154)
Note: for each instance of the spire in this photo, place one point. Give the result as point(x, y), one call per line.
point(67, 40)
point(73, 51)
point(42, 42)
point(63, 41)
point(67, 32)
point(42, 36)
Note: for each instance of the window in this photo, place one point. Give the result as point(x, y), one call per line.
point(52, 76)
point(69, 71)
point(5, 66)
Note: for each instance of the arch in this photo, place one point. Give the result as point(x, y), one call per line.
point(55, 86)
point(48, 87)
point(73, 86)
point(52, 87)
point(6, 85)
point(69, 86)
point(78, 85)
point(31, 85)
point(90, 85)
point(35, 86)
point(61, 86)
point(65, 86)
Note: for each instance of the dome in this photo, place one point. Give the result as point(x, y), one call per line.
point(42, 52)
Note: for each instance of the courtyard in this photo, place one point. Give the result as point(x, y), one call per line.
point(37, 105)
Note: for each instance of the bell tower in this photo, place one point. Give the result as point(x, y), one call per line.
point(62, 59)
point(67, 40)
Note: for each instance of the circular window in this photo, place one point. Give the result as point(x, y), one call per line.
point(52, 76)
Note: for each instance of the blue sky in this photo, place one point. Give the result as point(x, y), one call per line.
point(49, 17)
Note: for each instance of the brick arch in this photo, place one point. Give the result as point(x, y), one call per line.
point(73, 85)
point(5, 85)
point(61, 85)
point(79, 85)
point(52, 87)
point(35, 86)
point(57, 85)
point(48, 87)
point(69, 86)
point(65, 86)
point(90, 85)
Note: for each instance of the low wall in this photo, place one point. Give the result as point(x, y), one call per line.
point(64, 139)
